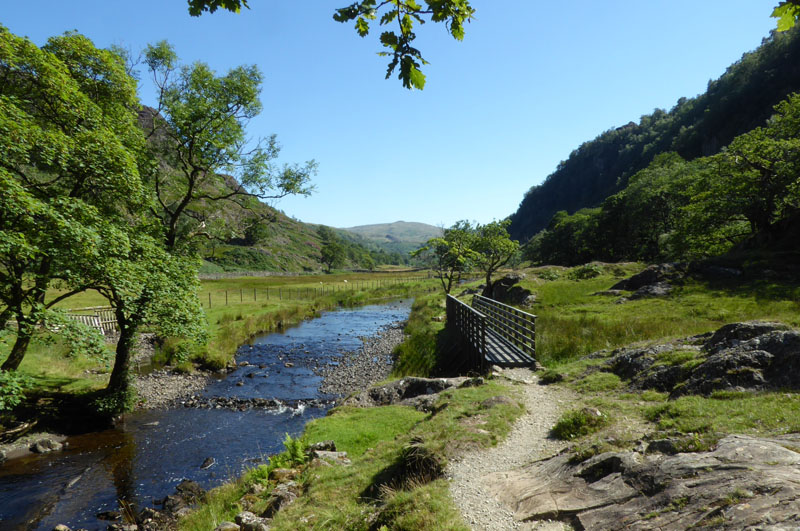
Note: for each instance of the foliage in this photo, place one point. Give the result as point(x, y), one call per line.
point(787, 12)
point(12, 389)
point(453, 13)
point(293, 455)
point(453, 253)
point(198, 132)
point(332, 253)
point(577, 423)
point(740, 100)
point(676, 210)
point(69, 170)
point(494, 248)
point(585, 272)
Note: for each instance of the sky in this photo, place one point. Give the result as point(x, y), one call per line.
point(530, 83)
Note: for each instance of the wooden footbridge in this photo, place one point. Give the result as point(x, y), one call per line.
point(492, 333)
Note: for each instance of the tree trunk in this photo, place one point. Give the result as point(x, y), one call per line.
point(17, 351)
point(119, 383)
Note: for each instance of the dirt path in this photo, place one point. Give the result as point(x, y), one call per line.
point(527, 442)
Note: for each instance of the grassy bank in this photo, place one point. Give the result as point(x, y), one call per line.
point(253, 306)
point(573, 321)
point(371, 493)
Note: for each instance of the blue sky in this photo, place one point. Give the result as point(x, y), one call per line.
point(531, 82)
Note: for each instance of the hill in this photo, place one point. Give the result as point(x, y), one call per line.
point(398, 237)
point(243, 233)
point(741, 99)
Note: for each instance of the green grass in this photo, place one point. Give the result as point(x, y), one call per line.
point(572, 322)
point(341, 497)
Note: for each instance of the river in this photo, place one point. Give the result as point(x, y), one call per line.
point(150, 452)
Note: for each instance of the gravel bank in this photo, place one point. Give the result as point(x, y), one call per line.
point(360, 369)
point(528, 441)
point(161, 389)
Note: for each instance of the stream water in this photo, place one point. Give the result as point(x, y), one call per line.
point(150, 452)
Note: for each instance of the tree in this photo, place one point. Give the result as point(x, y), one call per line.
point(332, 253)
point(494, 248)
point(198, 133)
point(68, 165)
point(453, 253)
point(398, 44)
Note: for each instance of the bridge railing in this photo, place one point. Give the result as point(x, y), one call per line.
point(470, 325)
point(516, 326)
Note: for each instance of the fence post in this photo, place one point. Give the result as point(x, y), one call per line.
point(254, 294)
point(209, 299)
point(241, 295)
point(226, 297)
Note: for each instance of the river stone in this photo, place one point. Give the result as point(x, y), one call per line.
point(45, 446)
point(61, 527)
point(740, 484)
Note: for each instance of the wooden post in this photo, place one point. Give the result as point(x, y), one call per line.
point(280, 294)
point(209, 299)
point(241, 295)
point(226, 297)
point(254, 294)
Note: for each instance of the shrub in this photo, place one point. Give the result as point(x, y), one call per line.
point(585, 272)
point(12, 389)
point(579, 422)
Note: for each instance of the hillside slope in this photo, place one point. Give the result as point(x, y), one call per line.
point(400, 236)
point(741, 99)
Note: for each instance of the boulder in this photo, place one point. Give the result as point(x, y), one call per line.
point(767, 361)
point(506, 290)
point(44, 446)
point(745, 483)
point(659, 289)
point(733, 334)
point(227, 526)
point(652, 274)
point(247, 521)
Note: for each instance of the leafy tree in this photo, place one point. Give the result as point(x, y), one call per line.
point(494, 248)
point(68, 138)
point(397, 44)
point(332, 252)
point(198, 133)
point(453, 253)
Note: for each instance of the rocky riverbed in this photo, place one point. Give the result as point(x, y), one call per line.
point(359, 370)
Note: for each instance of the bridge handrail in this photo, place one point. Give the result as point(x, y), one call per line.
point(471, 325)
point(516, 326)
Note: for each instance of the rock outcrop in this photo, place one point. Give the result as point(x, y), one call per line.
point(507, 291)
point(653, 274)
point(745, 483)
point(752, 356)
